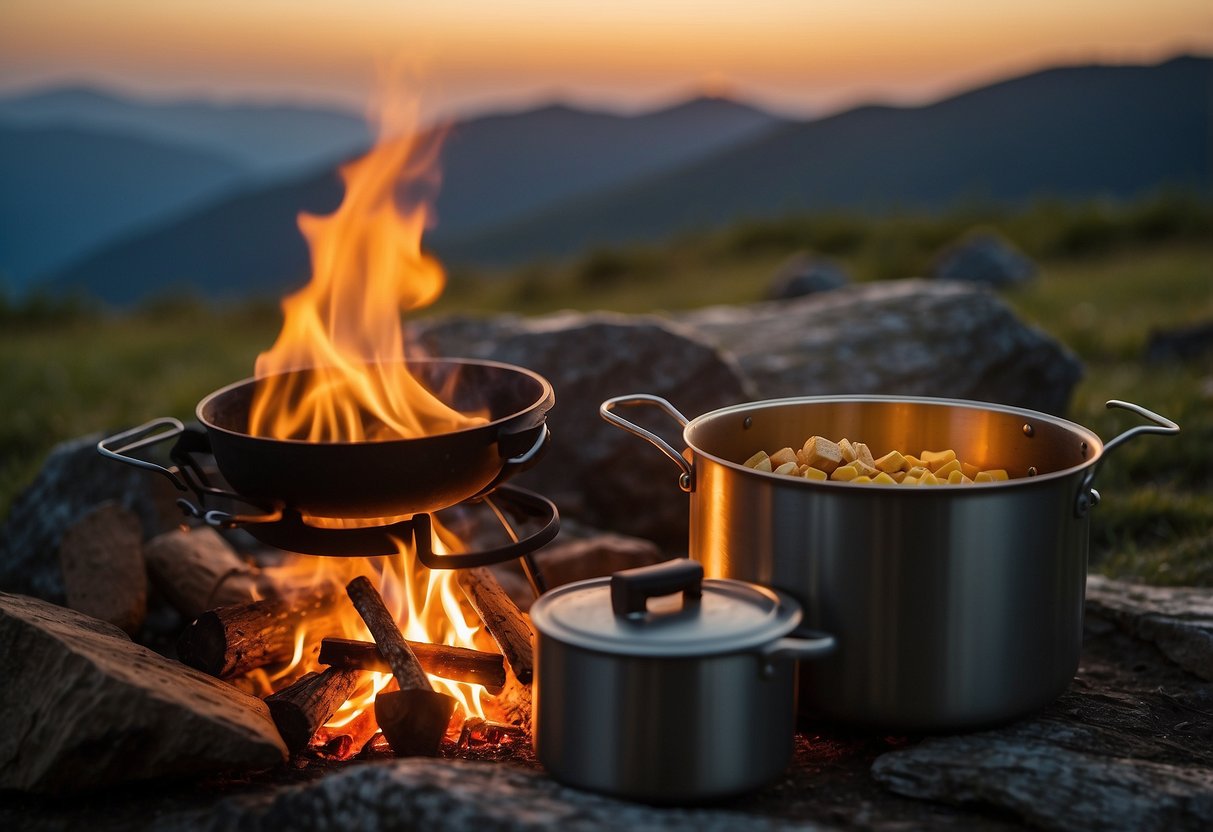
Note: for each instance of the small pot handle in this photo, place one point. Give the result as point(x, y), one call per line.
point(631, 589)
point(686, 480)
point(809, 645)
point(1088, 497)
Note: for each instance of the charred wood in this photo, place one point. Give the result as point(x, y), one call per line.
point(300, 709)
point(414, 719)
point(456, 663)
point(228, 641)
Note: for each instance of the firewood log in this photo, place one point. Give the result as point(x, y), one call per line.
point(196, 570)
point(300, 709)
point(456, 663)
point(502, 618)
point(414, 719)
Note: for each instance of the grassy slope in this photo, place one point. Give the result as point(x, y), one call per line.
point(70, 375)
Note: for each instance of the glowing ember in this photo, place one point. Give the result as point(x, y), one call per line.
point(368, 267)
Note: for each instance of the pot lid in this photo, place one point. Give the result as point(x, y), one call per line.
point(666, 610)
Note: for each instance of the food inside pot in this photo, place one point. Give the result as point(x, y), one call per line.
point(852, 462)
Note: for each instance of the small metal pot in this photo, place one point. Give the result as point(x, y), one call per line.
point(679, 701)
point(954, 606)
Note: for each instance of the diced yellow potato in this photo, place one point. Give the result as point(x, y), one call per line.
point(968, 470)
point(898, 476)
point(937, 459)
point(929, 479)
point(815, 474)
point(782, 456)
point(861, 479)
point(863, 454)
point(993, 475)
point(884, 479)
point(821, 454)
point(956, 477)
point(786, 468)
point(909, 480)
point(844, 473)
point(943, 471)
point(764, 465)
point(890, 462)
point(917, 471)
point(913, 462)
point(846, 449)
point(755, 459)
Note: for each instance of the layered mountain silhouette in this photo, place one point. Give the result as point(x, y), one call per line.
point(267, 139)
point(495, 168)
point(64, 190)
point(555, 180)
point(1092, 131)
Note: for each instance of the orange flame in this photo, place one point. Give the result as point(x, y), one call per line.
point(367, 266)
point(345, 325)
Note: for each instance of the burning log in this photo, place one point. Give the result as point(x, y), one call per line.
point(228, 641)
point(300, 709)
point(414, 718)
point(502, 618)
point(456, 663)
point(196, 570)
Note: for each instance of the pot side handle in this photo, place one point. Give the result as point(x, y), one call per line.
point(686, 480)
point(809, 645)
point(1088, 497)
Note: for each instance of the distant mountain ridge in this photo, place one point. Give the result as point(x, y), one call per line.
point(268, 139)
point(1082, 132)
point(1090, 131)
point(494, 168)
point(64, 190)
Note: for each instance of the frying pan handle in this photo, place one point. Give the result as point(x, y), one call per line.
point(119, 446)
point(1088, 497)
point(686, 480)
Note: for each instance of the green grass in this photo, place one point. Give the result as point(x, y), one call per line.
point(1109, 275)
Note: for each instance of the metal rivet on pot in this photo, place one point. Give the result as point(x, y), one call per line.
point(748, 423)
point(1032, 471)
point(1029, 431)
point(1082, 449)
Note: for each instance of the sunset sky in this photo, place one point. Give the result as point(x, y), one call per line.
point(798, 56)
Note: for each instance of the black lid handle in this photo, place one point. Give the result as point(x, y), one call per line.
point(632, 588)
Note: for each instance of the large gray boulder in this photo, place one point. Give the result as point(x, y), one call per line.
point(593, 471)
point(905, 337)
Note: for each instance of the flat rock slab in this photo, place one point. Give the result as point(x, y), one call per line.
point(593, 471)
point(85, 707)
point(1178, 620)
point(461, 795)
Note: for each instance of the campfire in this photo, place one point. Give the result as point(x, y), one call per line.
point(347, 445)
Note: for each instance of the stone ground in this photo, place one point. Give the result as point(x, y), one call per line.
point(1128, 746)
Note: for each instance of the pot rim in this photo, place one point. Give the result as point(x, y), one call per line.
point(1093, 441)
point(543, 403)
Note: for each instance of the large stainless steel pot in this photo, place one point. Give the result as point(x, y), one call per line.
point(954, 606)
point(674, 700)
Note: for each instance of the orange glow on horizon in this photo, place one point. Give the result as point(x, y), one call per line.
point(796, 54)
